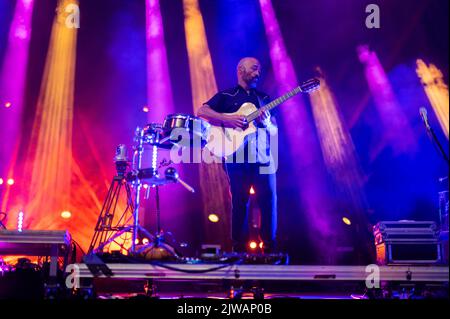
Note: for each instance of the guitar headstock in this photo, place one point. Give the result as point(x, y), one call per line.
point(310, 85)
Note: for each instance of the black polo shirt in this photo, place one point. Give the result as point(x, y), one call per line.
point(229, 101)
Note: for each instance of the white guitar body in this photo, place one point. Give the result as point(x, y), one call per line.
point(225, 141)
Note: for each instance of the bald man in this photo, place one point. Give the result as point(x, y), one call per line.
point(243, 175)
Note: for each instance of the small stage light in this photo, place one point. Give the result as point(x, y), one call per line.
point(1, 181)
point(261, 244)
point(252, 191)
point(20, 221)
point(8, 104)
point(213, 218)
point(10, 181)
point(136, 242)
point(145, 186)
point(145, 241)
point(253, 245)
point(346, 221)
point(66, 214)
point(145, 109)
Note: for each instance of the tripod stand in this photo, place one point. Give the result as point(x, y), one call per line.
point(106, 231)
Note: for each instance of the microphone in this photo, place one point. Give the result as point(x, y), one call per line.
point(423, 114)
point(441, 179)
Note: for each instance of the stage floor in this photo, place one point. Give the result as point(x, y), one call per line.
point(216, 281)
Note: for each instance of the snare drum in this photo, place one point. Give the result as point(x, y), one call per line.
point(184, 128)
point(154, 135)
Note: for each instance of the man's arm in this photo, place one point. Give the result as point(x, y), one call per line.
point(264, 120)
point(213, 117)
point(221, 119)
point(272, 126)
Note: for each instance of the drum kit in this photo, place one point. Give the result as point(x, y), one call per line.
point(112, 231)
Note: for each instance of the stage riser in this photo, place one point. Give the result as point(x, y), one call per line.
point(277, 273)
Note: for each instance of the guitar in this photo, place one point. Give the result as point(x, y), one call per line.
point(225, 141)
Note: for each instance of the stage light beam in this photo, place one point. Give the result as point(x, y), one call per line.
point(337, 146)
point(396, 130)
point(203, 84)
point(159, 88)
point(307, 171)
point(13, 72)
point(49, 159)
point(436, 90)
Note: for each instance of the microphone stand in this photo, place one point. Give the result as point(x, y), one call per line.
point(443, 215)
point(434, 137)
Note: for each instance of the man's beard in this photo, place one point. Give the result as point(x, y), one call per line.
point(252, 82)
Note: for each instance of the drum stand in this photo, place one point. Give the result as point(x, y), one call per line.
point(158, 248)
point(105, 233)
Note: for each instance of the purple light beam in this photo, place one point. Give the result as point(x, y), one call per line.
point(12, 82)
point(304, 149)
point(159, 92)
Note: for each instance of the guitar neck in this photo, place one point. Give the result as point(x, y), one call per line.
point(274, 103)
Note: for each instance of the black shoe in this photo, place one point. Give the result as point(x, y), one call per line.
point(270, 248)
point(239, 248)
